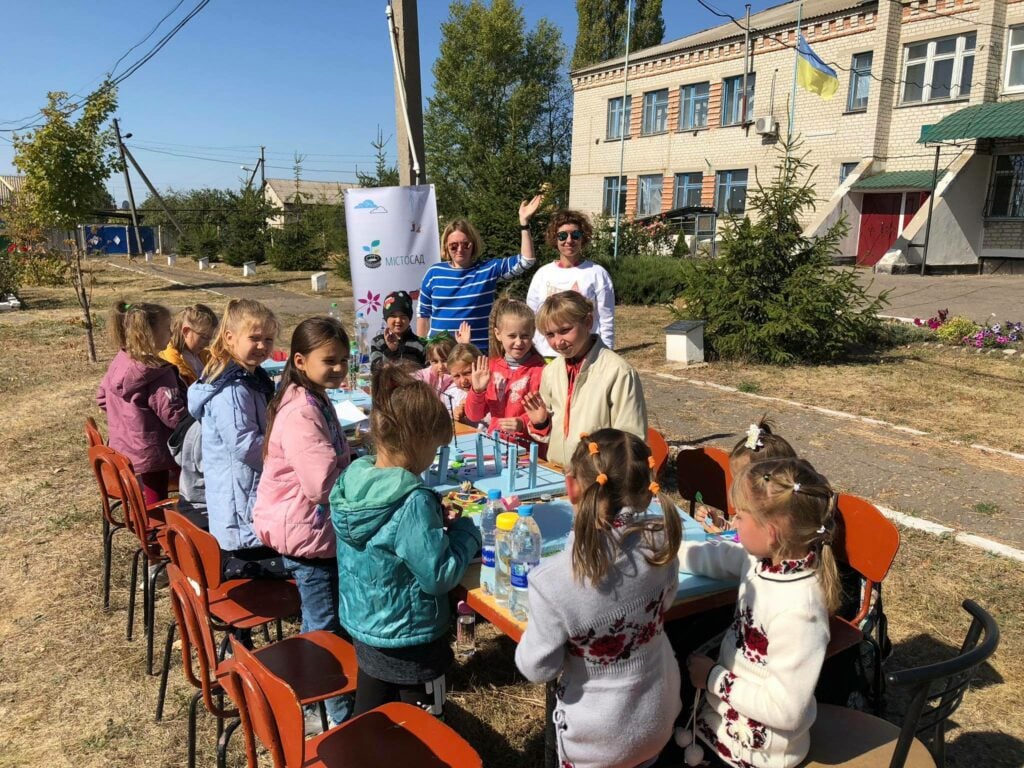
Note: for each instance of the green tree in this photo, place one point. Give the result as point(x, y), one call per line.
point(601, 29)
point(383, 175)
point(773, 295)
point(244, 233)
point(202, 214)
point(498, 124)
point(66, 163)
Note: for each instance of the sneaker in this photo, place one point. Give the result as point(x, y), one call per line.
point(161, 580)
point(311, 718)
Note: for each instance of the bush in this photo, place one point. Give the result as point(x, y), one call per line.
point(295, 250)
point(47, 268)
point(646, 280)
point(773, 295)
point(955, 329)
point(202, 242)
point(10, 272)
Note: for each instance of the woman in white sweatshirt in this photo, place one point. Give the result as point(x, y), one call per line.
point(760, 704)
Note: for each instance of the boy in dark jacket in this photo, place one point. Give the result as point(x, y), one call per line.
point(398, 343)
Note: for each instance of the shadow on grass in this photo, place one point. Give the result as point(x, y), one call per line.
point(988, 748)
point(634, 348)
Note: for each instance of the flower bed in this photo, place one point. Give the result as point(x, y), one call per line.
point(961, 331)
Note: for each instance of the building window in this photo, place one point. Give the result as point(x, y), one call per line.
point(614, 196)
point(618, 121)
point(655, 118)
point(732, 99)
point(687, 190)
point(1015, 59)
point(938, 70)
point(731, 192)
point(845, 169)
point(860, 79)
point(648, 195)
point(693, 106)
point(1008, 188)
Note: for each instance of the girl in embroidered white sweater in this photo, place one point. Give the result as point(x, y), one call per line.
point(760, 693)
point(597, 611)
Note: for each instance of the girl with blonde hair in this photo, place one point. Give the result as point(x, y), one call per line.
point(191, 334)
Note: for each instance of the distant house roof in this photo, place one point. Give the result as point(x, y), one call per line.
point(282, 191)
point(9, 186)
point(781, 15)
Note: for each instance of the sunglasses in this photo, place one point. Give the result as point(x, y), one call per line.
point(575, 235)
point(463, 246)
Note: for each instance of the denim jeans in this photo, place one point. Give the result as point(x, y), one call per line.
point(317, 581)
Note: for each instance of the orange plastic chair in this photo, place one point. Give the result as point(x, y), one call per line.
point(659, 449)
point(110, 502)
point(392, 735)
point(868, 543)
point(318, 665)
point(704, 470)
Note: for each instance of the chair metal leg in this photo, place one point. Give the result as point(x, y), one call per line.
point(223, 741)
point(322, 706)
point(280, 629)
point(550, 736)
point(132, 586)
point(220, 720)
point(151, 614)
point(165, 671)
point(266, 633)
point(193, 706)
point(106, 564)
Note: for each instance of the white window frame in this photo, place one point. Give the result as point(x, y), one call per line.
point(606, 192)
point(645, 190)
point(615, 109)
point(1018, 49)
point(959, 55)
point(678, 187)
point(1016, 187)
point(859, 74)
point(654, 119)
point(725, 183)
point(688, 100)
point(737, 80)
point(845, 169)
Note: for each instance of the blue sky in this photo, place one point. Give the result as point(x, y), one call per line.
point(313, 77)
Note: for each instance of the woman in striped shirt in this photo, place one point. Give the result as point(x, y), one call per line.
point(462, 287)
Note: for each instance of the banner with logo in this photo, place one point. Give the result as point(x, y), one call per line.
point(392, 239)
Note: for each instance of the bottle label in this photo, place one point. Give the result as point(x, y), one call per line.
point(520, 574)
point(487, 556)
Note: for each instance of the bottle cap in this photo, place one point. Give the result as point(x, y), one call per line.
point(506, 521)
point(526, 510)
point(494, 494)
point(463, 609)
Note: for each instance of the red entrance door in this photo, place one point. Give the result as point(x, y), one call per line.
point(879, 226)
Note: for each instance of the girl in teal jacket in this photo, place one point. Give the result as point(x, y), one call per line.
point(398, 555)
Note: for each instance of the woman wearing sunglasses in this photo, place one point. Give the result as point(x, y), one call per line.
point(569, 233)
point(461, 287)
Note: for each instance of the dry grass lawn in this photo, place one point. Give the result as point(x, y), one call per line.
point(73, 692)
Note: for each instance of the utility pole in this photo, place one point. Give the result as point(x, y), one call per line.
point(128, 185)
point(152, 189)
point(263, 168)
point(403, 28)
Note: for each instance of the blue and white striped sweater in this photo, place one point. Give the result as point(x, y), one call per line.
point(450, 295)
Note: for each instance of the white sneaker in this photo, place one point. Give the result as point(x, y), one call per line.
point(311, 718)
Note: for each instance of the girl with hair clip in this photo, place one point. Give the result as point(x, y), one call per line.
point(191, 334)
point(758, 444)
point(514, 369)
point(304, 453)
point(461, 360)
point(759, 695)
point(399, 555)
point(142, 395)
point(597, 610)
point(587, 387)
point(436, 373)
point(230, 402)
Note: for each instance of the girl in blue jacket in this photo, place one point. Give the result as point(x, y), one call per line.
point(398, 555)
point(230, 402)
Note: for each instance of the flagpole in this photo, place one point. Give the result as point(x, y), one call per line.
point(622, 130)
point(796, 60)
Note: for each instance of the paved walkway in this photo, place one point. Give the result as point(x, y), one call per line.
point(976, 296)
point(956, 486)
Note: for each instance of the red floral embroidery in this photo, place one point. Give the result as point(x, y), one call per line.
point(750, 638)
point(609, 645)
point(617, 641)
point(787, 567)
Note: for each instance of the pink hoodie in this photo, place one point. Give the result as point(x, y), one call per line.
point(144, 404)
point(306, 452)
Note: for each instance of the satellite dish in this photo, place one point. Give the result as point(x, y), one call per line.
point(124, 205)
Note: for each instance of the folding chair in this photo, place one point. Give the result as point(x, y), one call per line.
point(110, 503)
point(868, 543)
point(392, 735)
point(659, 449)
point(704, 470)
point(846, 738)
point(318, 665)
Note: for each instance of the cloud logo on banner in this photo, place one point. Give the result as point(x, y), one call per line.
point(371, 206)
point(372, 254)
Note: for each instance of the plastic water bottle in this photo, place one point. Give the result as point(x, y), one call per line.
point(333, 312)
point(526, 550)
point(465, 631)
point(503, 556)
point(488, 529)
point(353, 365)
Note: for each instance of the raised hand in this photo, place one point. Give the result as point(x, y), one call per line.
point(465, 333)
point(480, 376)
point(391, 339)
point(529, 207)
point(511, 425)
point(535, 408)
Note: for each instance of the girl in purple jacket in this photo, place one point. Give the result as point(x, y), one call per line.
point(304, 452)
point(142, 394)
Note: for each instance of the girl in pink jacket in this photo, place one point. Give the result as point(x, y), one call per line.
point(142, 395)
point(304, 453)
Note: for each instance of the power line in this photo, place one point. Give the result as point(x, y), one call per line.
point(234, 162)
point(151, 32)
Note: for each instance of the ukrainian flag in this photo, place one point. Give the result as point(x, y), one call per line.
point(812, 74)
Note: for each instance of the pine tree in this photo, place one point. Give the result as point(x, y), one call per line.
point(773, 295)
point(601, 29)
